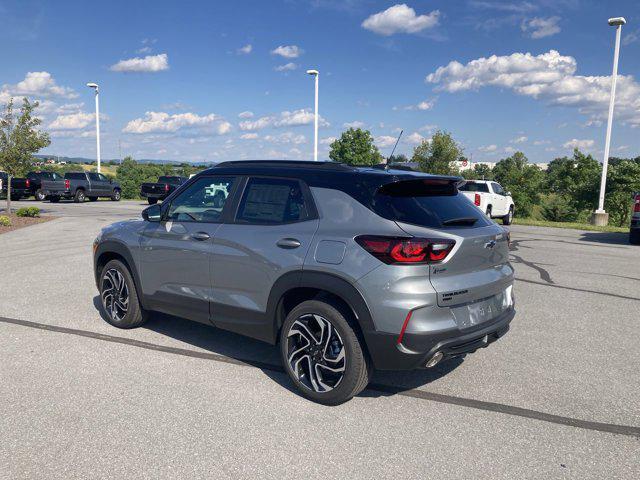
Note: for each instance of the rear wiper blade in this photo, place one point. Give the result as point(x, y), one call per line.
point(460, 221)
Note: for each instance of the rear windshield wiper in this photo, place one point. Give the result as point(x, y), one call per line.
point(460, 221)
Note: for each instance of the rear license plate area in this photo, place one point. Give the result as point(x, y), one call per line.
point(481, 311)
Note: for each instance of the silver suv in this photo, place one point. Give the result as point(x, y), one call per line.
point(348, 269)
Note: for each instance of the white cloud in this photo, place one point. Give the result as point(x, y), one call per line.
point(246, 50)
point(428, 128)
point(249, 136)
point(580, 144)
point(150, 63)
point(509, 150)
point(287, 51)
point(384, 141)
point(284, 119)
point(286, 67)
point(512, 7)
point(72, 121)
point(488, 148)
point(521, 139)
point(400, 18)
point(541, 27)
point(631, 37)
point(541, 142)
point(259, 124)
point(245, 114)
point(414, 138)
point(327, 140)
point(162, 122)
point(286, 138)
point(548, 76)
point(424, 105)
point(354, 124)
point(36, 84)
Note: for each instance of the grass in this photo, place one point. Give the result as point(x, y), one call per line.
point(575, 225)
point(105, 169)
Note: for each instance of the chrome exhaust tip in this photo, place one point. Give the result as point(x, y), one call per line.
point(433, 361)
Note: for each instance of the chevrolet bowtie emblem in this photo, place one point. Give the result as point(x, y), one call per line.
point(490, 244)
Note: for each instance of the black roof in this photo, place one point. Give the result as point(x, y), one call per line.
point(359, 182)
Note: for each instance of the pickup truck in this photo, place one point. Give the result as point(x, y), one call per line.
point(19, 186)
point(35, 183)
point(80, 186)
point(161, 189)
point(634, 231)
point(491, 198)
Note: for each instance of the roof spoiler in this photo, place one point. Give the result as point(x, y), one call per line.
point(426, 186)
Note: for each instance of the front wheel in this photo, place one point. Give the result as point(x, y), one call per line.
point(634, 237)
point(119, 297)
point(322, 354)
point(116, 195)
point(508, 218)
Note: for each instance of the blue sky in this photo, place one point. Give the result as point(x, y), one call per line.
point(213, 80)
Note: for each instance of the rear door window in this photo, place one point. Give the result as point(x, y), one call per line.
point(75, 176)
point(427, 203)
point(273, 201)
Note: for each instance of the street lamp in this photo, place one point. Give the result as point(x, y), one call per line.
point(97, 89)
point(316, 74)
point(600, 217)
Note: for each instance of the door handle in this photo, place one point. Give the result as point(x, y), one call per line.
point(200, 236)
point(288, 243)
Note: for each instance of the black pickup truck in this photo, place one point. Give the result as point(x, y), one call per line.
point(19, 186)
point(161, 189)
point(35, 183)
point(81, 185)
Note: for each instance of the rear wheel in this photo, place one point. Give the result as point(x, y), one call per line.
point(40, 196)
point(322, 354)
point(115, 196)
point(119, 297)
point(152, 201)
point(634, 237)
point(54, 199)
point(508, 218)
point(79, 196)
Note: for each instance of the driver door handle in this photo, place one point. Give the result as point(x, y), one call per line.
point(200, 236)
point(288, 243)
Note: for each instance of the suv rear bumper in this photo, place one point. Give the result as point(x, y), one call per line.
point(416, 349)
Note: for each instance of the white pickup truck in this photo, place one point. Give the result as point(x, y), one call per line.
point(491, 198)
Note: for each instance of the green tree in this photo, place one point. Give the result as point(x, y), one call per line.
point(19, 140)
point(479, 171)
point(523, 180)
point(623, 179)
point(355, 147)
point(576, 178)
point(438, 154)
point(399, 158)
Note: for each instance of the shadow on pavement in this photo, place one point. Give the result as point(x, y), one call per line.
point(613, 238)
point(266, 357)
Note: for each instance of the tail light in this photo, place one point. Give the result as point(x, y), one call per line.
point(476, 200)
point(636, 203)
point(67, 184)
point(27, 183)
point(166, 187)
point(402, 250)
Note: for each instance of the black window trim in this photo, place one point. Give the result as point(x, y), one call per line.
point(226, 209)
point(312, 211)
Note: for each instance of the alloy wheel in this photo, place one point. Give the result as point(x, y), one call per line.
point(115, 294)
point(315, 353)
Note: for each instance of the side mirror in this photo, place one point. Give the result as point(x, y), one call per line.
point(507, 194)
point(152, 213)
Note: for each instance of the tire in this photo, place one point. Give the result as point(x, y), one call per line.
point(79, 196)
point(54, 199)
point(488, 212)
point(634, 237)
point(152, 201)
point(116, 280)
point(347, 357)
point(93, 199)
point(40, 196)
point(508, 218)
point(115, 197)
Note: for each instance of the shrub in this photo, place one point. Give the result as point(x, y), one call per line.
point(28, 212)
point(5, 221)
point(558, 208)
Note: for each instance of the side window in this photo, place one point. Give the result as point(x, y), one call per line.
point(497, 188)
point(202, 202)
point(271, 201)
point(102, 178)
point(94, 177)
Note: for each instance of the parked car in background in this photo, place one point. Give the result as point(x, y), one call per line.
point(35, 183)
point(491, 198)
point(19, 186)
point(80, 186)
point(634, 232)
point(346, 268)
point(160, 189)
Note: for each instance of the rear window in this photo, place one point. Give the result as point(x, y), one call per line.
point(474, 187)
point(427, 203)
point(170, 180)
point(75, 176)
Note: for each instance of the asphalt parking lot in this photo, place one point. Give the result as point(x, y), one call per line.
point(555, 398)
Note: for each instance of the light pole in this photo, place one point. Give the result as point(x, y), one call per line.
point(600, 217)
point(97, 90)
point(316, 74)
